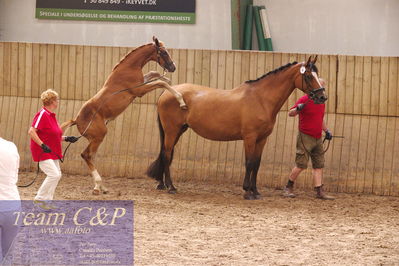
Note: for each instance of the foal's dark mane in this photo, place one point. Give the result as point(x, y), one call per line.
point(272, 72)
point(126, 56)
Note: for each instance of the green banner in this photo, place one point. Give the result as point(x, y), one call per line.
point(154, 11)
point(112, 15)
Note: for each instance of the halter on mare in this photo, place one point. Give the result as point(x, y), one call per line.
point(312, 93)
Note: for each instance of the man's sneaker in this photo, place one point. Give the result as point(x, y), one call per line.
point(289, 192)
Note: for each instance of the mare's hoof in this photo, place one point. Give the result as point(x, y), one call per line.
point(249, 196)
point(183, 107)
point(172, 191)
point(161, 187)
point(257, 196)
point(96, 192)
point(105, 191)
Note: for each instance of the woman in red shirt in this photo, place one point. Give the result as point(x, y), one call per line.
point(45, 145)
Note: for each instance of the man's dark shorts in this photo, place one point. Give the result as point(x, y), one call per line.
point(313, 146)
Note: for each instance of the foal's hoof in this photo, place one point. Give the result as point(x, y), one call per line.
point(104, 190)
point(96, 192)
point(183, 107)
point(161, 187)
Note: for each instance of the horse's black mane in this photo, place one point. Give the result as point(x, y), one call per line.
point(272, 72)
point(314, 68)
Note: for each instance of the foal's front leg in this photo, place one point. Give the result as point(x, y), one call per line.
point(178, 95)
point(153, 75)
point(142, 90)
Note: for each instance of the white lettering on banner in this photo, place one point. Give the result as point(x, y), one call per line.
point(49, 14)
point(178, 18)
point(120, 16)
point(80, 15)
point(141, 2)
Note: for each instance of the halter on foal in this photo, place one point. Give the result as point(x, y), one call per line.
point(123, 85)
point(247, 113)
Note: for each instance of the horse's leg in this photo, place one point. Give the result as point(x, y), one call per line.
point(88, 155)
point(249, 145)
point(156, 75)
point(152, 75)
point(142, 90)
point(257, 159)
point(171, 138)
point(168, 157)
point(178, 96)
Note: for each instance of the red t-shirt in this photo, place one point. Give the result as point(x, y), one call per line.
point(50, 133)
point(311, 117)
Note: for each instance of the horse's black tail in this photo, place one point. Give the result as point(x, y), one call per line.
point(157, 168)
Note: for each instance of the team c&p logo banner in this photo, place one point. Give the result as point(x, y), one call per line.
point(68, 232)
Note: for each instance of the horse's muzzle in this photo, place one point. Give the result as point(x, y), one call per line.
point(323, 98)
point(320, 99)
point(318, 96)
point(171, 67)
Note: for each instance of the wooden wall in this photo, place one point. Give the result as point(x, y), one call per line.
point(363, 107)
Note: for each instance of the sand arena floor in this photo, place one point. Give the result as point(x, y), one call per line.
point(211, 224)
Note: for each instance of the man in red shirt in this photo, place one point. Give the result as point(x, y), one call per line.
point(309, 143)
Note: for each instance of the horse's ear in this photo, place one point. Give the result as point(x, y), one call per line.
point(314, 60)
point(309, 60)
point(155, 39)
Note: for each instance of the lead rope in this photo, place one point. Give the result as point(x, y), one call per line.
point(38, 170)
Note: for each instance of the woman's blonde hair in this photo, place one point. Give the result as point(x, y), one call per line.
point(48, 97)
